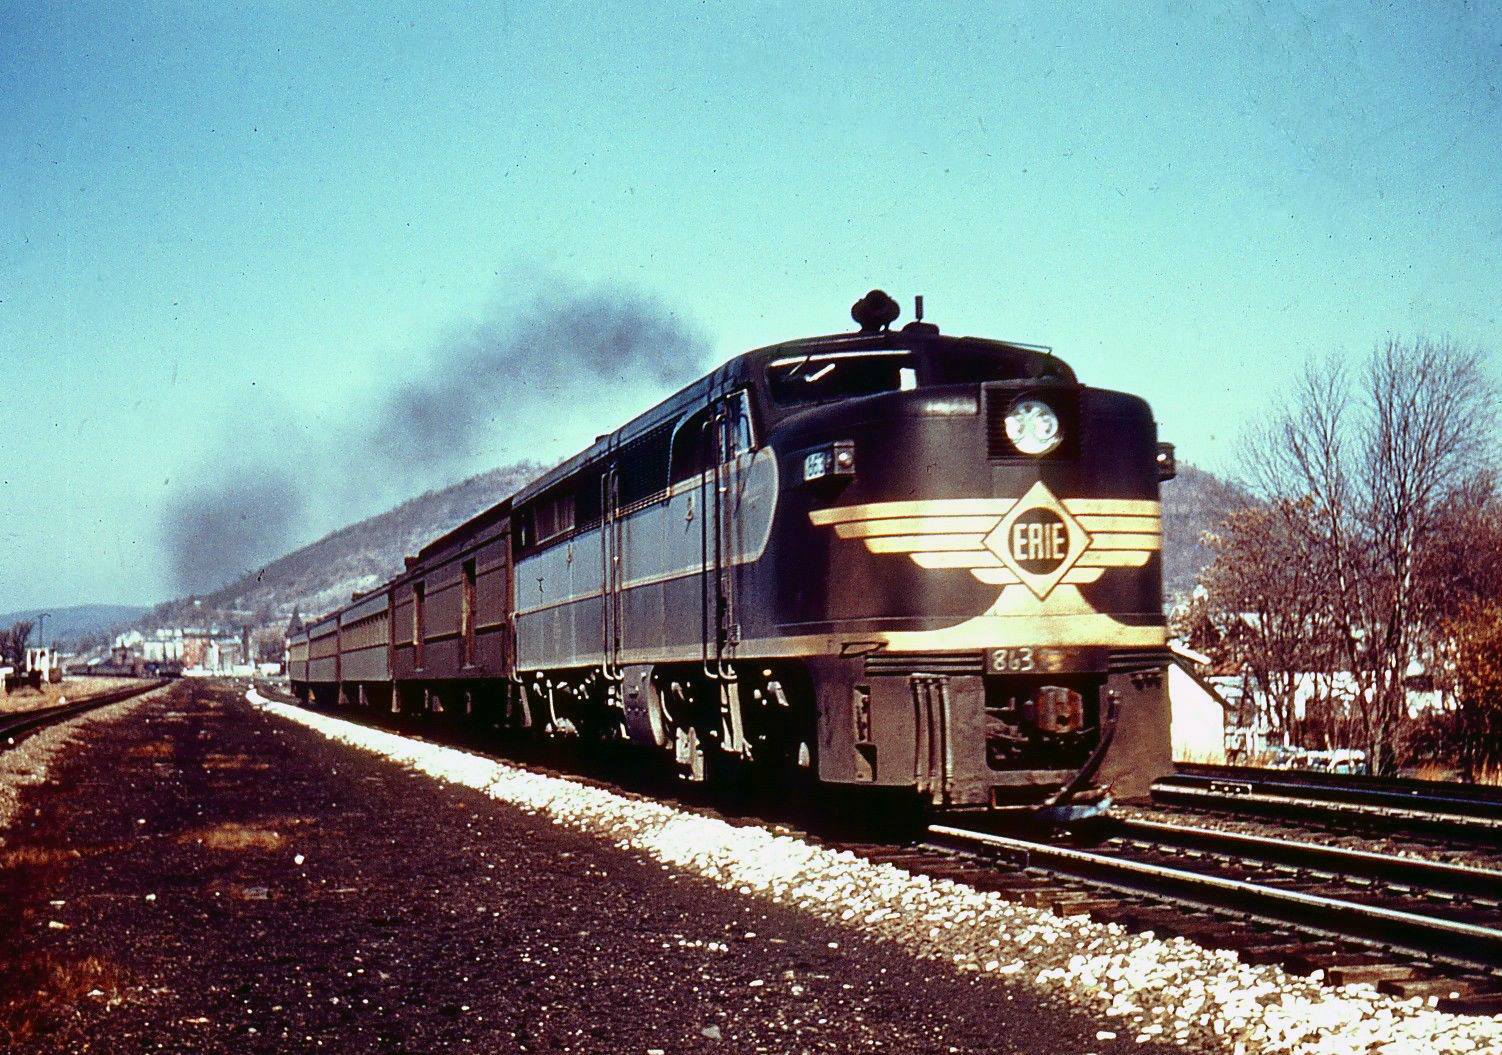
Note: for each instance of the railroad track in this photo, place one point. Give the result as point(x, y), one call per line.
point(1434, 808)
point(1412, 927)
point(18, 725)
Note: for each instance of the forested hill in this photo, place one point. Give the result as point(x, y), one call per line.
point(1193, 503)
point(322, 575)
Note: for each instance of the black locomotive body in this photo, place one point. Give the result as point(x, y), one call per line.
point(893, 559)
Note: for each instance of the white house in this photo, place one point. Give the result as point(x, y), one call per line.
point(1199, 711)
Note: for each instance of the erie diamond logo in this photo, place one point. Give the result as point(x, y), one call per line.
point(1038, 540)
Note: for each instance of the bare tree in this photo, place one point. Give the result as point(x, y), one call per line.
point(267, 644)
point(1364, 475)
point(1461, 579)
point(1431, 412)
point(1263, 588)
point(1475, 667)
point(13, 641)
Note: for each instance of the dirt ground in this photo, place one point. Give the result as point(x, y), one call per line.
point(201, 876)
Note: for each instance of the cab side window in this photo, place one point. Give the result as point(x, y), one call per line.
point(693, 442)
point(690, 447)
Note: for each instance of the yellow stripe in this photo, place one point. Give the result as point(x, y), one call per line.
point(1075, 576)
point(916, 526)
point(965, 559)
point(1027, 627)
point(937, 507)
point(1132, 507)
point(1145, 525)
point(1128, 558)
point(917, 543)
point(1125, 541)
point(950, 507)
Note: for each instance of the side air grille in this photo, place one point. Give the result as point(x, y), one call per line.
point(925, 663)
point(1147, 659)
point(997, 444)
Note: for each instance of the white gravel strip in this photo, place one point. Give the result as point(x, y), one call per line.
point(1167, 991)
point(27, 763)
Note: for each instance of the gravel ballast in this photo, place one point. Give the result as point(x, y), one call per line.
point(206, 877)
point(26, 764)
point(1143, 988)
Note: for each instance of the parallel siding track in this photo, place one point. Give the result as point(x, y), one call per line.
point(1436, 808)
point(18, 725)
point(1412, 927)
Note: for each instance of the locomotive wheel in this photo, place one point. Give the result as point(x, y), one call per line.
point(657, 716)
point(689, 755)
point(801, 770)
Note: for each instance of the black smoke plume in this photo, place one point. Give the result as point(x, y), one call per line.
point(221, 530)
point(561, 352)
point(564, 354)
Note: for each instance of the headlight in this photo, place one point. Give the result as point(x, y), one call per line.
point(1032, 426)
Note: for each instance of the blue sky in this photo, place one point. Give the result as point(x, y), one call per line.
point(223, 232)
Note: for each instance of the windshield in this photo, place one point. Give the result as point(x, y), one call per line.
point(970, 365)
point(829, 376)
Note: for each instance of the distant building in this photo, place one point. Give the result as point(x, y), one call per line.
point(45, 663)
point(1198, 709)
point(195, 650)
point(1252, 734)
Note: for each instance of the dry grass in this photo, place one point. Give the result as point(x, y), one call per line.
point(1486, 775)
point(155, 749)
point(1432, 771)
point(73, 688)
point(40, 993)
point(1215, 758)
point(234, 837)
point(36, 856)
point(234, 762)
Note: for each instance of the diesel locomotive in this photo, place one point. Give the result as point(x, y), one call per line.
point(891, 559)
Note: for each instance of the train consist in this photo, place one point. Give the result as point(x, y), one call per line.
point(891, 558)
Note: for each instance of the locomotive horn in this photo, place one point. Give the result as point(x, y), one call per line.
point(875, 312)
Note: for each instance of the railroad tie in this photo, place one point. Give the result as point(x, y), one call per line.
point(1475, 1004)
point(1443, 988)
point(1081, 905)
point(1284, 952)
point(1368, 974)
point(1224, 934)
point(1307, 961)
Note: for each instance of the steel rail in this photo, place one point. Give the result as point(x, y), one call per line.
point(1361, 782)
point(1432, 797)
point(1425, 936)
point(1390, 869)
point(1411, 815)
point(16, 726)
